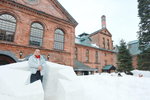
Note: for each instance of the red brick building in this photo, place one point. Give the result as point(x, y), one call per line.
point(29, 24)
point(95, 50)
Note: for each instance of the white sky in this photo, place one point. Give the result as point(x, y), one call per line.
point(121, 17)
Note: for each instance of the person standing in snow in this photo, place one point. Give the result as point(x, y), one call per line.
point(37, 65)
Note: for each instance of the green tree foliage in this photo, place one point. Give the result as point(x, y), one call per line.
point(144, 60)
point(144, 34)
point(124, 58)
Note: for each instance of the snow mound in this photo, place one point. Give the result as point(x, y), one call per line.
point(13, 85)
point(143, 73)
point(61, 83)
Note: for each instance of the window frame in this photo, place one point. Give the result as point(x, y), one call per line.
point(40, 38)
point(56, 41)
point(104, 45)
point(96, 57)
point(12, 38)
point(108, 43)
point(76, 53)
point(106, 63)
point(87, 55)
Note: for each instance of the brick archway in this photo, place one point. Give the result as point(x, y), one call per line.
point(4, 59)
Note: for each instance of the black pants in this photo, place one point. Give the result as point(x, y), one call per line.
point(36, 76)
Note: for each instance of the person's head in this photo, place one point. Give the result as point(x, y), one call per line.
point(37, 52)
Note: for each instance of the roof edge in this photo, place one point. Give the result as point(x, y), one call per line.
point(66, 13)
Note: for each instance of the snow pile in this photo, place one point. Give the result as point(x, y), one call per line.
point(13, 84)
point(107, 87)
point(61, 83)
point(143, 73)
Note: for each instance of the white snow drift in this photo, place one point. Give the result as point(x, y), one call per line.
point(61, 83)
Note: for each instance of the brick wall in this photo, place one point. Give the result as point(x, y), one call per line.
point(24, 19)
point(104, 57)
point(102, 36)
point(134, 62)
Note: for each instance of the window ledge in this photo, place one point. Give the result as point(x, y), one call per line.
point(59, 50)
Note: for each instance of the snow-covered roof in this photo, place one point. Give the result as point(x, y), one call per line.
point(133, 47)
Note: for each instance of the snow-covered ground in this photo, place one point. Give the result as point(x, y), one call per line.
point(143, 73)
point(61, 83)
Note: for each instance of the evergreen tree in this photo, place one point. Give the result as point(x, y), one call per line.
point(144, 34)
point(144, 60)
point(124, 58)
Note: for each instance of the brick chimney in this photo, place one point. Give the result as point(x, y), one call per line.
point(103, 18)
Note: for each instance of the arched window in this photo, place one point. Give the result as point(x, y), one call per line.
point(59, 39)
point(87, 55)
point(36, 34)
point(7, 27)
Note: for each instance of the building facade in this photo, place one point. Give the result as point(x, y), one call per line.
point(95, 49)
point(26, 25)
